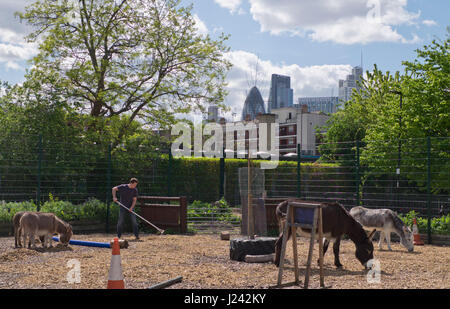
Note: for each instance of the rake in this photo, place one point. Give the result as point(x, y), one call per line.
point(161, 231)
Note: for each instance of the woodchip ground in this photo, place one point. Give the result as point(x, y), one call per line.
point(203, 262)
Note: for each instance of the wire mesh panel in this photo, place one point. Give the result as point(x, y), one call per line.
point(403, 175)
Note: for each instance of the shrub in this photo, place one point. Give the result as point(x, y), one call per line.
point(220, 211)
point(439, 226)
point(8, 210)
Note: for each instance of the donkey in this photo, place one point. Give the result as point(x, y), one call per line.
point(16, 224)
point(336, 221)
point(44, 224)
point(386, 221)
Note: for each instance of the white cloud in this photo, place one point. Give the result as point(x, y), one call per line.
point(14, 49)
point(202, 29)
point(429, 22)
point(232, 5)
point(316, 80)
point(344, 22)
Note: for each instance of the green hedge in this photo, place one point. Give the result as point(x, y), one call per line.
point(199, 178)
point(92, 209)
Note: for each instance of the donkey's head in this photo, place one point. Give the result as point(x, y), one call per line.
point(66, 234)
point(364, 249)
point(407, 239)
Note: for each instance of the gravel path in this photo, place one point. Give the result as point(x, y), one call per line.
point(203, 262)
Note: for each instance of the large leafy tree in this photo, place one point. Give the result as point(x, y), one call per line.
point(134, 60)
point(394, 134)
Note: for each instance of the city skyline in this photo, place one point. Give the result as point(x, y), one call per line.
point(316, 45)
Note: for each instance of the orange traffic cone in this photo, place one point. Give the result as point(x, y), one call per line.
point(415, 230)
point(115, 277)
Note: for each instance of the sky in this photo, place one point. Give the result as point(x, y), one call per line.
point(315, 42)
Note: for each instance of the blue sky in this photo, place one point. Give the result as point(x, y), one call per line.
point(316, 42)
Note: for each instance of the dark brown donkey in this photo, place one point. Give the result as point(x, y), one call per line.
point(336, 222)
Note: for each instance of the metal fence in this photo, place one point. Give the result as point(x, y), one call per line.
point(402, 175)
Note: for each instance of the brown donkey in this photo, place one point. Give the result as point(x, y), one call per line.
point(336, 222)
point(44, 224)
point(16, 224)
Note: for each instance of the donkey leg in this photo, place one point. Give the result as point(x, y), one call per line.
point(24, 239)
point(336, 245)
point(326, 242)
point(278, 245)
point(50, 240)
point(33, 240)
point(19, 237)
point(380, 242)
point(16, 236)
point(45, 242)
point(388, 240)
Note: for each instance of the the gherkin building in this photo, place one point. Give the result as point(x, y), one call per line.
point(254, 104)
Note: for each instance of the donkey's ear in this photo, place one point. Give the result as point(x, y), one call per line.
point(370, 236)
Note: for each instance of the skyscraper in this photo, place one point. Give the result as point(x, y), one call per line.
point(213, 113)
point(326, 105)
point(254, 104)
point(281, 94)
point(351, 82)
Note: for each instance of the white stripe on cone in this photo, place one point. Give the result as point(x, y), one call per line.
point(115, 270)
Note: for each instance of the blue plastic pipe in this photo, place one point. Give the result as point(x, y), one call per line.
point(86, 243)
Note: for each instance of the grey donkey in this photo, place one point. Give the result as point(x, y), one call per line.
point(386, 221)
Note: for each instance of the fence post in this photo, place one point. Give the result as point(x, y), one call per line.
point(299, 178)
point(222, 175)
point(183, 214)
point(169, 175)
point(357, 174)
point(38, 193)
point(429, 188)
point(108, 190)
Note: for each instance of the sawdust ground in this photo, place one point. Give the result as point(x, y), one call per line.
point(203, 262)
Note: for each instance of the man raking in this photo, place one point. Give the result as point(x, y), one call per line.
point(128, 197)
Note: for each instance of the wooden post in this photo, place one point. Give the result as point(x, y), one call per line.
point(311, 248)
point(283, 249)
point(183, 214)
point(294, 244)
point(251, 225)
point(322, 284)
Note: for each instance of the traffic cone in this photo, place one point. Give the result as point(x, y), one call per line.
point(115, 277)
point(415, 230)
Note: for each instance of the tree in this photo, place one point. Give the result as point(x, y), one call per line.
point(109, 58)
point(361, 115)
point(394, 134)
